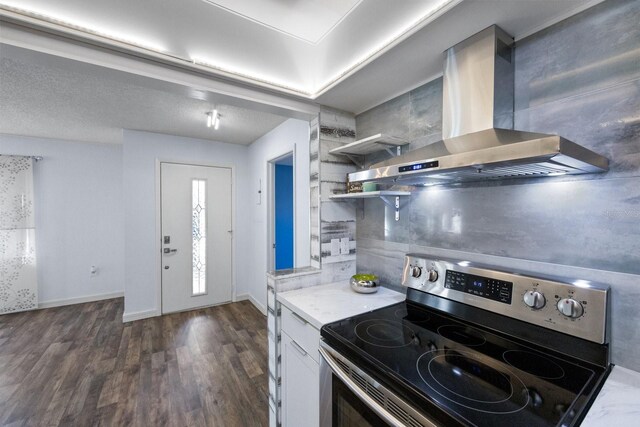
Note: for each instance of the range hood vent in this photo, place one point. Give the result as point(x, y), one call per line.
point(477, 126)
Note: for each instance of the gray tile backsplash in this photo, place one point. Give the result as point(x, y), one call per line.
point(580, 79)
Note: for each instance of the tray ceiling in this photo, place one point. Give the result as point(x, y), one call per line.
point(348, 54)
point(306, 20)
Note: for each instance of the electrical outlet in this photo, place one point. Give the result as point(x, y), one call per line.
point(344, 246)
point(335, 247)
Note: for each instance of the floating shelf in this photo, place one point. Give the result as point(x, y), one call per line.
point(385, 195)
point(369, 195)
point(370, 145)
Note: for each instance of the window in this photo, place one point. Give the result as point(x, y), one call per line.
point(199, 236)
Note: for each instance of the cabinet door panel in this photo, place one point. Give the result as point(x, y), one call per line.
point(300, 386)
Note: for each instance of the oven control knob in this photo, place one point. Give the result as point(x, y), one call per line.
point(432, 275)
point(534, 299)
point(570, 308)
point(416, 271)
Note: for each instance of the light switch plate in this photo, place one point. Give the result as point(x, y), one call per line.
point(344, 246)
point(335, 247)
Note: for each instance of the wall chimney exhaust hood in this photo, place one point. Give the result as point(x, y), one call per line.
point(479, 141)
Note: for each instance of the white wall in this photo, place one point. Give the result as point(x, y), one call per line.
point(78, 214)
point(96, 205)
point(281, 140)
point(141, 149)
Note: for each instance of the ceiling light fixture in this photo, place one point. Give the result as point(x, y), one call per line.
point(216, 119)
point(213, 119)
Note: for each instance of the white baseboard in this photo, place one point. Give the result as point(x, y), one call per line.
point(241, 297)
point(257, 304)
point(139, 315)
point(78, 300)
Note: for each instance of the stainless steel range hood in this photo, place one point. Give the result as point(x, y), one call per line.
point(477, 126)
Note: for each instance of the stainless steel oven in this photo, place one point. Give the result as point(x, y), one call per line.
point(470, 346)
point(349, 397)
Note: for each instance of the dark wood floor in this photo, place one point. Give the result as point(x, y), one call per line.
point(80, 365)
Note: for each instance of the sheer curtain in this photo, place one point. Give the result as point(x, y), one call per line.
point(18, 279)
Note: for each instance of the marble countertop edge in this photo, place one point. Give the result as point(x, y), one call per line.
point(328, 303)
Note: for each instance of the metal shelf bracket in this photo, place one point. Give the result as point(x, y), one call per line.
point(393, 205)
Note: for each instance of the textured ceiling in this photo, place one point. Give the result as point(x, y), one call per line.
point(46, 96)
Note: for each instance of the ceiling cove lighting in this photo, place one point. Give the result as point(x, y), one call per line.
point(435, 11)
point(84, 27)
point(391, 41)
point(248, 76)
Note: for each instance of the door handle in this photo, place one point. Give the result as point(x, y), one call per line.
point(298, 348)
point(168, 251)
point(299, 318)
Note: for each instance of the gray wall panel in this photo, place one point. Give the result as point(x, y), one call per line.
point(580, 79)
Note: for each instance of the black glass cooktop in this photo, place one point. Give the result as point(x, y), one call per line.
point(476, 376)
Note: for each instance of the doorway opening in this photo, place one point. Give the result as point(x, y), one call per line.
point(282, 212)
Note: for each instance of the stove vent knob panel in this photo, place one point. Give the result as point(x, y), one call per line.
point(570, 308)
point(534, 299)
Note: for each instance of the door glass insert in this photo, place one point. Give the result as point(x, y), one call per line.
point(199, 236)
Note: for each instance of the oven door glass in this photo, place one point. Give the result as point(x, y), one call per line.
point(348, 410)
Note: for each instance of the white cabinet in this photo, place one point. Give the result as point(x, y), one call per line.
point(304, 333)
point(300, 385)
point(300, 372)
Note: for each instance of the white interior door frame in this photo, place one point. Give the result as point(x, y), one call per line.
point(271, 206)
point(158, 220)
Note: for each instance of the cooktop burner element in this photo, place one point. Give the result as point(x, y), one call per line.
point(479, 385)
point(385, 333)
point(469, 350)
point(535, 364)
point(463, 335)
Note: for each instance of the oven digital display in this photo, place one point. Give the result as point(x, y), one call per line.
point(493, 289)
point(418, 166)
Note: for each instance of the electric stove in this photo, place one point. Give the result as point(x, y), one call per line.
point(471, 345)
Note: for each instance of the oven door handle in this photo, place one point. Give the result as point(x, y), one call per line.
point(365, 398)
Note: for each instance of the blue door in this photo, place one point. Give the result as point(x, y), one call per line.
point(284, 216)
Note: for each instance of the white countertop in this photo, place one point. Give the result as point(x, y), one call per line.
point(618, 403)
point(324, 304)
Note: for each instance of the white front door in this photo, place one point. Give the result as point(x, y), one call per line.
point(196, 236)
